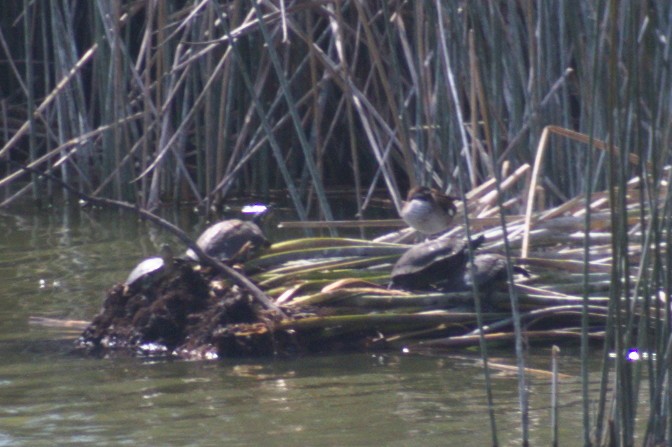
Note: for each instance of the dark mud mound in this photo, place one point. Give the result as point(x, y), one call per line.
point(189, 313)
point(194, 314)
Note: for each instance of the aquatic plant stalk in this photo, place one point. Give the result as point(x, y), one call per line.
point(308, 156)
point(554, 396)
point(477, 300)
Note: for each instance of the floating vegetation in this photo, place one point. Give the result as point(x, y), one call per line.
point(338, 293)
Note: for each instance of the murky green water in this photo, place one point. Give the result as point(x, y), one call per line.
point(60, 263)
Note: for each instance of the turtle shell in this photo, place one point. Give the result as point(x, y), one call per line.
point(431, 262)
point(489, 270)
point(145, 272)
point(226, 239)
point(148, 272)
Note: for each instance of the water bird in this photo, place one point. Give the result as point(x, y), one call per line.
point(428, 210)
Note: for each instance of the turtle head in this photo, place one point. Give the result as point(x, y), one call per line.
point(166, 253)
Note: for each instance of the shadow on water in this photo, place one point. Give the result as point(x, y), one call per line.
point(60, 265)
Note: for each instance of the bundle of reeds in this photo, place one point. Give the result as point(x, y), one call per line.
point(596, 276)
point(347, 279)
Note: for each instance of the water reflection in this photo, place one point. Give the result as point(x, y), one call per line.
point(60, 264)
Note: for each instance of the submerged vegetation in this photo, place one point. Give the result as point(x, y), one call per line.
point(552, 119)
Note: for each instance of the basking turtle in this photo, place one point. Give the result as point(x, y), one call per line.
point(149, 271)
point(230, 240)
point(489, 271)
point(432, 262)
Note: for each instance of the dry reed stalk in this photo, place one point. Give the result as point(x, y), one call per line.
point(86, 57)
point(536, 171)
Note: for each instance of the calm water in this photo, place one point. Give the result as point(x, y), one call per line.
point(60, 263)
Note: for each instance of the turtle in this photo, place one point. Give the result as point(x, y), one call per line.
point(229, 240)
point(489, 271)
point(149, 271)
point(431, 262)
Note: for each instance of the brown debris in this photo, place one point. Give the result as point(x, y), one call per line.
point(193, 314)
point(180, 316)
